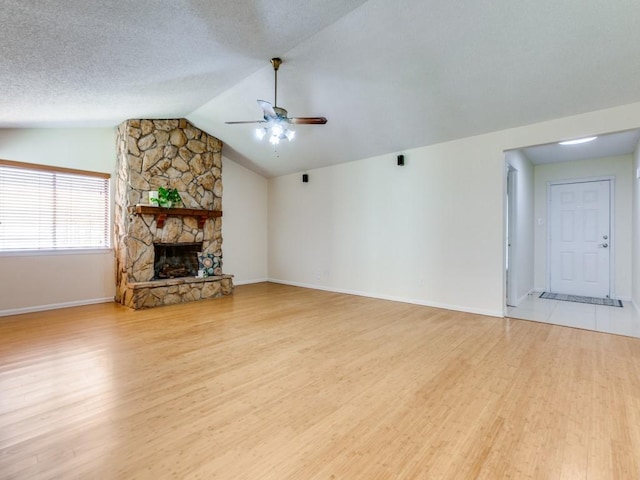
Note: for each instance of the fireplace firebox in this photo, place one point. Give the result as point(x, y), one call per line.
point(173, 260)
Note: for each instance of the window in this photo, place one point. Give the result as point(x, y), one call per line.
point(50, 208)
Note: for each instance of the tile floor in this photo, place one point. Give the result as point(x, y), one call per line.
point(621, 321)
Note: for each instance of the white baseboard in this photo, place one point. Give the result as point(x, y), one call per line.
point(458, 308)
point(524, 297)
point(248, 282)
point(54, 306)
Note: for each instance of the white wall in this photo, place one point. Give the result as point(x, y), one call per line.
point(244, 223)
point(430, 232)
point(524, 234)
point(618, 167)
point(409, 233)
point(635, 274)
point(90, 149)
point(37, 282)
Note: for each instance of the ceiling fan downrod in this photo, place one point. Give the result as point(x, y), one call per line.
point(276, 62)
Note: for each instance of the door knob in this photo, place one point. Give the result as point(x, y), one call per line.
point(605, 237)
point(603, 245)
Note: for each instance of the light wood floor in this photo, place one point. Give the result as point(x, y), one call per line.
point(279, 382)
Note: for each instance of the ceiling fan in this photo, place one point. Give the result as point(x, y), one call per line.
point(275, 120)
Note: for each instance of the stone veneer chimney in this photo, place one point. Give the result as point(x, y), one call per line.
point(173, 154)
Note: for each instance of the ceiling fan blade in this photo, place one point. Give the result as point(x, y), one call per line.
point(245, 121)
point(267, 108)
point(308, 120)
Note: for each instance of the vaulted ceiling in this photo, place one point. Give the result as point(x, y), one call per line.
point(388, 75)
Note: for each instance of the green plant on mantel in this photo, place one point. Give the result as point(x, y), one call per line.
point(167, 197)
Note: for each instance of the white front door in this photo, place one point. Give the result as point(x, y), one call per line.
point(580, 238)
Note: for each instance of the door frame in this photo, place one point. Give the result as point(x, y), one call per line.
point(612, 234)
point(511, 266)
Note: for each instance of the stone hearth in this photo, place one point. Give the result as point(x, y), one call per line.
point(171, 154)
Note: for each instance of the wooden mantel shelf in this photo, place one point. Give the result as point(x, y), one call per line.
point(162, 213)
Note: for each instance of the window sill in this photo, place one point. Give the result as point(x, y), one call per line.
point(51, 253)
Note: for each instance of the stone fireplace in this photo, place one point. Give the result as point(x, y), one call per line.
point(156, 248)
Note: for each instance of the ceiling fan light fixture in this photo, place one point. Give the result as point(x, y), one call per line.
point(578, 141)
point(277, 130)
point(260, 133)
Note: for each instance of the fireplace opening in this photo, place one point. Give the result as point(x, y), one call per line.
point(173, 260)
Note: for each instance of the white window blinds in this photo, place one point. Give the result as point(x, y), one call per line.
point(49, 208)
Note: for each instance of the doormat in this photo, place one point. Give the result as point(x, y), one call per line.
point(608, 302)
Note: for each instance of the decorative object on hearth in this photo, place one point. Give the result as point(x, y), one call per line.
point(166, 198)
point(210, 264)
point(275, 119)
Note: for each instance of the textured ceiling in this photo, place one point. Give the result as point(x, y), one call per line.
point(388, 75)
point(90, 63)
